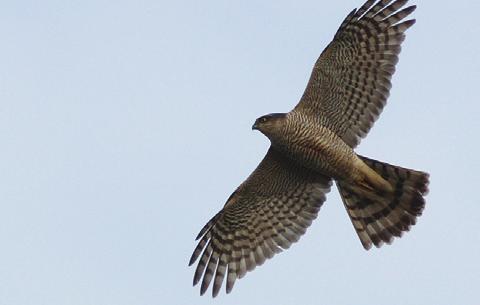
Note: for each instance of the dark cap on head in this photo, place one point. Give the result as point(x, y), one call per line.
point(266, 118)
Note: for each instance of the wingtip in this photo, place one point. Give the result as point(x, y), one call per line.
point(215, 291)
point(204, 288)
point(367, 246)
point(408, 10)
point(196, 279)
point(194, 256)
point(191, 261)
point(410, 22)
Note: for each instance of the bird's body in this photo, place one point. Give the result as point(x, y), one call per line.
point(302, 138)
point(314, 144)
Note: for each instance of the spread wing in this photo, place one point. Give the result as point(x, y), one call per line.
point(350, 81)
point(267, 213)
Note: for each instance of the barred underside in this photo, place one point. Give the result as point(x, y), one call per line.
point(351, 80)
point(273, 208)
point(378, 217)
point(253, 226)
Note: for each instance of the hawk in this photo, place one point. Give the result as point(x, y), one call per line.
point(313, 145)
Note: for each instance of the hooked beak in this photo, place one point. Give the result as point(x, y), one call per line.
point(254, 126)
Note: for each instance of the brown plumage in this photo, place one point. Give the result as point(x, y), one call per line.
point(313, 145)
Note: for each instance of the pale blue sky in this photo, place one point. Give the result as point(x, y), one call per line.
point(125, 125)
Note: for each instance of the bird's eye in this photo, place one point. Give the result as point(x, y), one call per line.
point(263, 120)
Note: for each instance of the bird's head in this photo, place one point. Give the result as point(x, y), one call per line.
point(270, 124)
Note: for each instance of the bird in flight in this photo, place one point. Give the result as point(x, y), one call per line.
point(313, 145)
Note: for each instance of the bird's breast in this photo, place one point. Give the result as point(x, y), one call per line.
point(318, 148)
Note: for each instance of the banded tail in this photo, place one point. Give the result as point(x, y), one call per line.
point(378, 217)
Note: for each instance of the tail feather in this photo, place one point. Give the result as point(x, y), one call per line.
point(378, 217)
